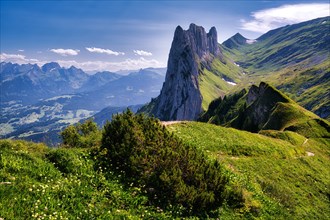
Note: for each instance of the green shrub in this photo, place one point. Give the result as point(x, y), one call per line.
point(83, 135)
point(167, 170)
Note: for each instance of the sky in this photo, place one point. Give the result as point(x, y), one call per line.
point(128, 35)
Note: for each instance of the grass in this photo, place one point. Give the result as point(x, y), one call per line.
point(41, 183)
point(278, 179)
point(212, 84)
point(211, 87)
point(219, 140)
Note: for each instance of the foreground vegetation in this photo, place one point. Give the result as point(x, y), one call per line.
point(134, 168)
point(137, 169)
point(283, 175)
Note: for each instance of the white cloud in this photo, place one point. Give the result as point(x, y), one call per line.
point(128, 64)
point(66, 52)
point(16, 58)
point(142, 53)
point(20, 50)
point(106, 51)
point(268, 19)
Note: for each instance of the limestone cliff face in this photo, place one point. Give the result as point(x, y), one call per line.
point(180, 97)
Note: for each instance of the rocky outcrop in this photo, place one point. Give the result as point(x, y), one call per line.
point(180, 97)
point(260, 101)
point(245, 110)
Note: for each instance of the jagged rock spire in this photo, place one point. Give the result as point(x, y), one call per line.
point(180, 97)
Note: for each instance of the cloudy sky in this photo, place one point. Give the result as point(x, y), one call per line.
point(114, 35)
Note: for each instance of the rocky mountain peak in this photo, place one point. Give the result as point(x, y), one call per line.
point(50, 66)
point(235, 41)
point(180, 97)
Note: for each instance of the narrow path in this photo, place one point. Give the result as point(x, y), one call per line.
point(305, 141)
point(309, 154)
point(170, 122)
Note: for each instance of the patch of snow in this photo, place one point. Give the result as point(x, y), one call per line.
point(244, 73)
point(250, 41)
point(141, 91)
point(324, 22)
point(230, 83)
point(129, 88)
point(236, 64)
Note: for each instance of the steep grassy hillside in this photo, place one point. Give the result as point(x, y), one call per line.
point(39, 183)
point(286, 46)
point(285, 177)
point(295, 59)
point(219, 80)
point(265, 108)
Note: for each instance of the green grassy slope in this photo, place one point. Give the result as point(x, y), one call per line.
point(265, 108)
point(213, 83)
point(287, 45)
point(293, 58)
point(278, 178)
point(271, 172)
point(39, 183)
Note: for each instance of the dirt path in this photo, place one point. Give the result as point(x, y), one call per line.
point(305, 141)
point(309, 154)
point(170, 122)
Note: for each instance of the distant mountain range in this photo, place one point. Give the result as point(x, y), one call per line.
point(37, 102)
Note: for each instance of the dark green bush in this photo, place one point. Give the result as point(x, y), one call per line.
point(83, 135)
point(170, 172)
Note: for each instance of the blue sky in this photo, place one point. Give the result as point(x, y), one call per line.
point(113, 35)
